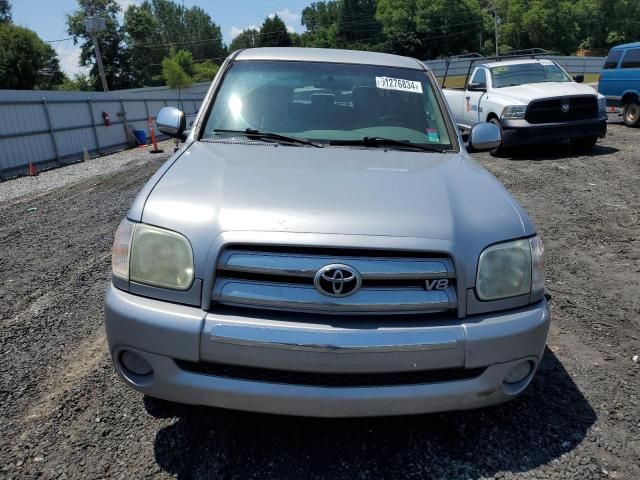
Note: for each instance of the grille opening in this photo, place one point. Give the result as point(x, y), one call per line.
point(324, 379)
point(266, 278)
point(548, 111)
point(346, 320)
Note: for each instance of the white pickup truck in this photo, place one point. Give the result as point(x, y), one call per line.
point(532, 101)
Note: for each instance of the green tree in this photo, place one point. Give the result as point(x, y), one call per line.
point(26, 62)
point(79, 82)
point(155, 26)
point(50, 75)
point(177, 69)
point(325, 37)
point(398, 19)
point(431, 28)
point(342, 24)
point(296, 39)
point(557, 25)
point(115, 56)
point(141, 29)
point(434, 28)
point(357, 23)
point(245, 39)
point(610, 22)
point(273, 33)
point(204, 71)
point(203, 35)
point(5, 11)
point(320, 16)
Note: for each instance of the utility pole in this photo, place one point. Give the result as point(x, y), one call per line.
point(496, 22)
point(93, 25)
point(105, 87)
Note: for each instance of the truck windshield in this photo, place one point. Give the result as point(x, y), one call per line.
point(329, 103)
point(520, 74)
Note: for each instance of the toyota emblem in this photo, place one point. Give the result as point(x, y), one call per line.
point(337, 280)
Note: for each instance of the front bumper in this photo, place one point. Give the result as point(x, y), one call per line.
point(521, 132)
point(162, 333)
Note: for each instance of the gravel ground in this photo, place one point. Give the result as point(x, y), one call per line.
point(66, 415)
point(74, 173)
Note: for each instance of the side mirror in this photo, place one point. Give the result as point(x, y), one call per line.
point(171, 121)
point(484, 136)
point(578, 78)
point(477, 87)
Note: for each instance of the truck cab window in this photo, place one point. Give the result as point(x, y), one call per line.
point(480, 76)
point(612, 59)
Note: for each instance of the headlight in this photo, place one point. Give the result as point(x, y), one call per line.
point(122, 249)
point(514, 111)
point(602, 104)
point(511, 269)
point(537, 265)
point(152, 256)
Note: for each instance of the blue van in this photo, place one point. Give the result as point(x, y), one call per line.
point(620, 82)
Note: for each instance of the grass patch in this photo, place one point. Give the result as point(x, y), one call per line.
point(453, 82)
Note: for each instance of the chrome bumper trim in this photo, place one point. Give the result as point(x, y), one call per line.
point(315, 340)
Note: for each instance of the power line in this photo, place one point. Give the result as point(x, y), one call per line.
point(203, 40)
point(452, 34)
point(59, 40)
point(200, 60)
point(220, 37)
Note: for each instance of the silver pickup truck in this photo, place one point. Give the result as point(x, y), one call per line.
point(323, 244)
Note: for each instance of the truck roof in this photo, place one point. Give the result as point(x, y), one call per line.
point(520, 61)
point(626, 45)
point(329, 55)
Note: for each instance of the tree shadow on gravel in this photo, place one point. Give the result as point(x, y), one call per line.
point(560, 151)
point(551, 418)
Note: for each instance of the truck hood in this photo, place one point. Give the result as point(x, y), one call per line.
point(216, 187)
point(523, 94)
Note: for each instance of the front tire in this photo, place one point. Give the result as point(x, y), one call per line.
point(500, 150)
point(584, 143)
point(631, 114)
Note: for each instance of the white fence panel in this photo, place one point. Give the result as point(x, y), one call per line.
point(51, 128)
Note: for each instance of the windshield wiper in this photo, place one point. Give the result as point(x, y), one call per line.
point(252, 132)
point(385, 142)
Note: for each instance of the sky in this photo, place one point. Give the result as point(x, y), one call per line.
point(47, 18)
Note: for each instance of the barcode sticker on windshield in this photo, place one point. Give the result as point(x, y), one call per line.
point(389, 83)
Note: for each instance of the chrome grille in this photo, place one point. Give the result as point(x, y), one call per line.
point(283, 280)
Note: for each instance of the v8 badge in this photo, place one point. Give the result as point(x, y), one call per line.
point(438, 284)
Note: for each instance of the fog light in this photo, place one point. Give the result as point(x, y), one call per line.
point(519, 372)
point(135, 363)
